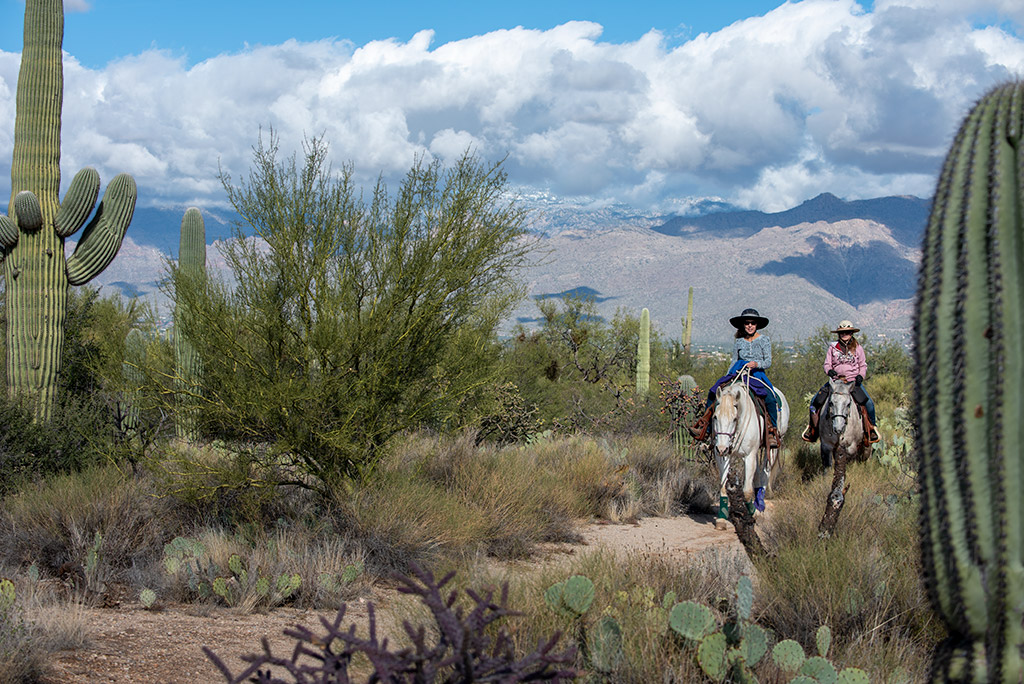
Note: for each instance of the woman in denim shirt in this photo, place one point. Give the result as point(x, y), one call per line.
point(753, 351)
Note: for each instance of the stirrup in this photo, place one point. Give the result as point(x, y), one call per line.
point(773, 439)
point(809, 434)
point(872, 434)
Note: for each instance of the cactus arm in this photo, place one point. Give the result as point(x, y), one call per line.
point(104, 234)
point(8, 233)
point(78, 202)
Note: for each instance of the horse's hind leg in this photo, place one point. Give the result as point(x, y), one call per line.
point(751, 469)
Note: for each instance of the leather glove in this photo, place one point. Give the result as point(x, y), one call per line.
point(832, 373)
point(859, 379)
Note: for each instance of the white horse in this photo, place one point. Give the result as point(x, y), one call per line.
point(840, 426)
point(738, 430)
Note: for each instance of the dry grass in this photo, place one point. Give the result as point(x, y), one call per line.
point(865, 582)
point(44, 619)
point(54, 523)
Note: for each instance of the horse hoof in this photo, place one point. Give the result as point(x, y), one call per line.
point(721, 524)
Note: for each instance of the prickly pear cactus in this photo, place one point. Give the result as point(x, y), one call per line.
point(643, 355)
point(970, 410)
point(36, 272)
point(571, 597)
point(691, 620)
point(188, 378)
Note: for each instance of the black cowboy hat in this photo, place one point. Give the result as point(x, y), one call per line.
point(748, 315)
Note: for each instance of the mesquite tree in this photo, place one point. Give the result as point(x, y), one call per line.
point(346, 321)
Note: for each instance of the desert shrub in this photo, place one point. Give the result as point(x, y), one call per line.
point(54, 524)
point(224, 485)
point(295, 564)
point(507, 418)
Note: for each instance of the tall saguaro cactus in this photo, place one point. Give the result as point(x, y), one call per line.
point(192, 264)
point(643, 354)
point(32, 236)
point(688, 323)
point(969, 330)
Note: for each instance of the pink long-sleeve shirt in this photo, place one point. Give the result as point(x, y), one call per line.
point(846, 364)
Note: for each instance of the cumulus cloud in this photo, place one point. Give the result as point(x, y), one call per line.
point(818, 95)
point(76, 6)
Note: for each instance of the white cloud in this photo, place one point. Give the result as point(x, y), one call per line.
point(816, 95)
point(77, 6)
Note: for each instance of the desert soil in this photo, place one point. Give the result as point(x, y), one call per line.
point(130, 644)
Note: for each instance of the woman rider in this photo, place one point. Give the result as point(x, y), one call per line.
point(754, 352)
point(844, 359)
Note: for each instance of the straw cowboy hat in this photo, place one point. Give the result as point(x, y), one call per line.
point(846, 326)
point(748, 315)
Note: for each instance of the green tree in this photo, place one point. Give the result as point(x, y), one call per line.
point(345, 322)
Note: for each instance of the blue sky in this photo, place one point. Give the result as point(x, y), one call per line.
point(102, 30)
point(655, 105)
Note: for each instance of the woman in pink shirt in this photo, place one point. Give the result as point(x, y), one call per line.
point(844, 359)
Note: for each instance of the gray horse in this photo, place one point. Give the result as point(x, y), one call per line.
point(841, 426)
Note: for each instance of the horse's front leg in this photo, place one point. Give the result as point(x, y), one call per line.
point(723, 497)
point(749, 467)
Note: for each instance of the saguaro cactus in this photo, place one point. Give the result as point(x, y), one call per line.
point(32, 236)
point(643, 354)
point(969, 329)
point(192, 263)
point(688, 323)
point(133, 377)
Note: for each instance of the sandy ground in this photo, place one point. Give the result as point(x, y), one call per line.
point(130, 644)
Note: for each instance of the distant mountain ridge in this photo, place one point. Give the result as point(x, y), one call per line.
point(821, 262)
point(904, 215)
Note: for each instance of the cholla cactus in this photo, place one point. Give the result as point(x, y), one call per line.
point(32, 238)
point(970, 410)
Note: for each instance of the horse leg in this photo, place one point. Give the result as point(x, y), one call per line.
point(749, 472)
point(723, 497)
point(762, 479)
point(826, 457)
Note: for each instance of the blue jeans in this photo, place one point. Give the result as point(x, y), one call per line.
point(760, 385)
point(859, 394)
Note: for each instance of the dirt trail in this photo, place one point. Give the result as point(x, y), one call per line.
point(131, 645)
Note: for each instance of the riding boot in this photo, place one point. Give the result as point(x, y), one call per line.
point(699, 430)
point(869, 429)
point(811, 431)
point(773, 438)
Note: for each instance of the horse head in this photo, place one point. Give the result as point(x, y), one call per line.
point(840, 402)
point(726, 417)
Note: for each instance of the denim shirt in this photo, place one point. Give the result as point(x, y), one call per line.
point(759, 349)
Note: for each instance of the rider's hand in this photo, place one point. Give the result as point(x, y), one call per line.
point(751, 364)
point(859, 379)
point(832, 373)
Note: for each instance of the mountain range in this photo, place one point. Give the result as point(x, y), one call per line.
point(815, 264)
